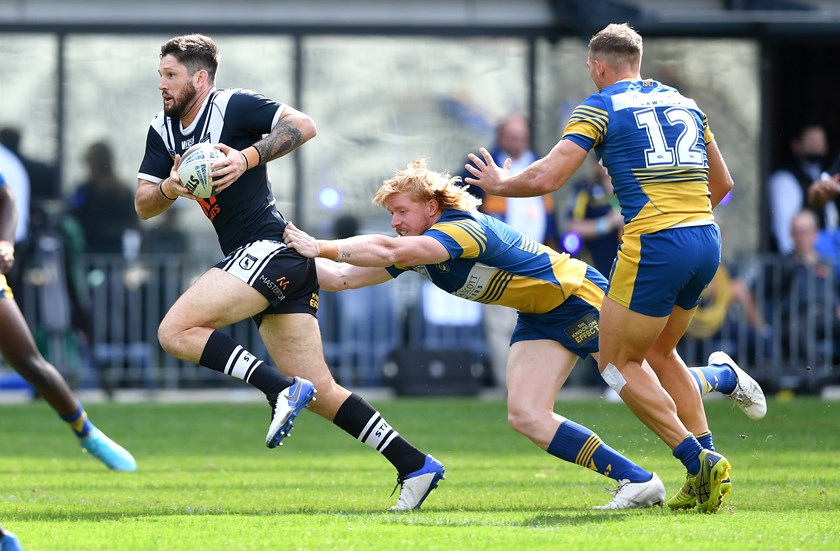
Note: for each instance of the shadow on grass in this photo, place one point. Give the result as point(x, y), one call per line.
point(575, 518)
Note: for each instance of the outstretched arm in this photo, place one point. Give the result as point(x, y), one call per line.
point(333, 276)
point(369, 250)
point(543, 176)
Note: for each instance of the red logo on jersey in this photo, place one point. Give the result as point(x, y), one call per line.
point(210, 207)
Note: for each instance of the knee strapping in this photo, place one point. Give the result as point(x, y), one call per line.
point(613, 377)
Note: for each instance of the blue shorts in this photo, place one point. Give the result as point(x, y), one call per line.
point(656, 271)
point(574, 324)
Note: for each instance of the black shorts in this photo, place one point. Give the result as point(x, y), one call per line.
point(288, 280)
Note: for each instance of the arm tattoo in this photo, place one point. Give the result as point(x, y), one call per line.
point(283, 139)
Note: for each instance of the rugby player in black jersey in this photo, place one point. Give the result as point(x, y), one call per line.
point(259, 277)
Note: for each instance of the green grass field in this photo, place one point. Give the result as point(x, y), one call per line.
point(206, 481)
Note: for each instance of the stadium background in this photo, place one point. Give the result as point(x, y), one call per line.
point(387, 82)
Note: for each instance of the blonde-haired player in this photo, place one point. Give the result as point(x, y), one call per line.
point(477, 257)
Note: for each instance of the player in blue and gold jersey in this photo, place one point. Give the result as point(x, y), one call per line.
point(19, 351)
point(668, 175)
point(477, 257)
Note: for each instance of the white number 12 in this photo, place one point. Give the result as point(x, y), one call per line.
point(684, 151)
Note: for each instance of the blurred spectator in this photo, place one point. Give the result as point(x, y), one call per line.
point(801, 298)
point(824, 197)
point(789, 185)
point(533, 216)
point(593, 219)
point(726, 305)
point(728, 317)
point(43, 179)
point(828, 245)
point(813, 304)
point(104, 206)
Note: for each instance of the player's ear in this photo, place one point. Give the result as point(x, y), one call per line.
point(201, 77)
point(432, 207)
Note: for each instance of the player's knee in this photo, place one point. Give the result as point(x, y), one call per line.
point(613, 377)
point(168, 336)
point(523, 421)
point(656, 356)
point(174, 328)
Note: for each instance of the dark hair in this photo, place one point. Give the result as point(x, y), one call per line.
point(10, 137)
point(195, 52)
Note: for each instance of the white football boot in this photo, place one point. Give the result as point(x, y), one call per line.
point(417, 486)
point(747, 394)
point(632, 495)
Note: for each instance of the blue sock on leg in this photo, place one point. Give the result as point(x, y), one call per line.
point(78, 421)
point(688, 451)
point(577, 444)
point(714, 378)
point(705, 439)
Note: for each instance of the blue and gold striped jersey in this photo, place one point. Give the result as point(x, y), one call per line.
point(493, 263)
point(652, 141)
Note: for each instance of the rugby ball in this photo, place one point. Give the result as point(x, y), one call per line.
point(195, 168)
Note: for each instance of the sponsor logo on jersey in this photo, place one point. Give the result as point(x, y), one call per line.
point(188, 143)
point(278, 292)
point(583, 330)
point(421, 269)
point(472, 287)
point(210, 206)
point(247, 262)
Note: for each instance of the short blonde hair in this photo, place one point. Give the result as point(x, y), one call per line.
point(618, 42)
point(423, 184)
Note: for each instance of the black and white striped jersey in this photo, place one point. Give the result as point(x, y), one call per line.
point(245, 211)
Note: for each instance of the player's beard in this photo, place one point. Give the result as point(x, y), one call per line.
point(182, 102)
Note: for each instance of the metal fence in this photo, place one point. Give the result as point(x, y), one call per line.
point(119, 349)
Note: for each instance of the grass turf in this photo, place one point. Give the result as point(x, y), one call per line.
point(205, 481)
